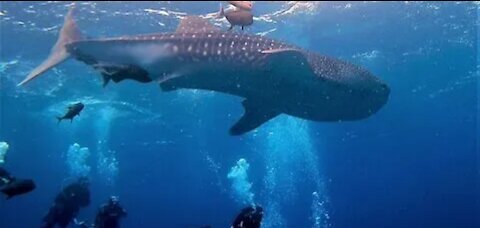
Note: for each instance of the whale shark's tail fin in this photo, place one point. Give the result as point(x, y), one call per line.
point(69, 33)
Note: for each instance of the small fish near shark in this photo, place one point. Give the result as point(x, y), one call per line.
point(273, 77)
point(72, 111)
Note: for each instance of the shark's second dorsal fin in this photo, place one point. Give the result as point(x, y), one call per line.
point(196, 24)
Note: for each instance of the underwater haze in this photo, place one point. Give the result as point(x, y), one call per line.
point(169, 155)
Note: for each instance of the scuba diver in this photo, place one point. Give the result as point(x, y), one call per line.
point(249, 217)
point(11, 186)
point(108, 215)
point(68, 203)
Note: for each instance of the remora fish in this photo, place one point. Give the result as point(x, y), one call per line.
point(273, 77)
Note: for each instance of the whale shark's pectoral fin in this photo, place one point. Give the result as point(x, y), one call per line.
point(196, 24)
point(255, 115)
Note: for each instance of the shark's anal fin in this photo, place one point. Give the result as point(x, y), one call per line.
point(255, 115)
point(196, 24)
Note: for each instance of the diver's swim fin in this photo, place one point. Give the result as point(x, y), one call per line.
point(18, 187)
point(69, 33)
point(255, 115)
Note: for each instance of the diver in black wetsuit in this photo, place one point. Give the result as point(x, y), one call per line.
point(11, 186)
point(109, 214)
point(249, 217)
point(67, 204)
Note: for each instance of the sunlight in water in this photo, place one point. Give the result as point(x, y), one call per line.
point(107, 163)
point(290, 155)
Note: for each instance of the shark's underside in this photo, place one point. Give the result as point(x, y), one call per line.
point(273, 77)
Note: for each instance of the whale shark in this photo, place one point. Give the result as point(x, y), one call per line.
point(272, 77)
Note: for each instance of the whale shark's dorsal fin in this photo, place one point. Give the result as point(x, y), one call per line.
point(196, 24)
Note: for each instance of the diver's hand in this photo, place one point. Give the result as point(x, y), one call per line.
point(81, 224)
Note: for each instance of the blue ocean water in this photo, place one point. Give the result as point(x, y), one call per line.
point(170, 159)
